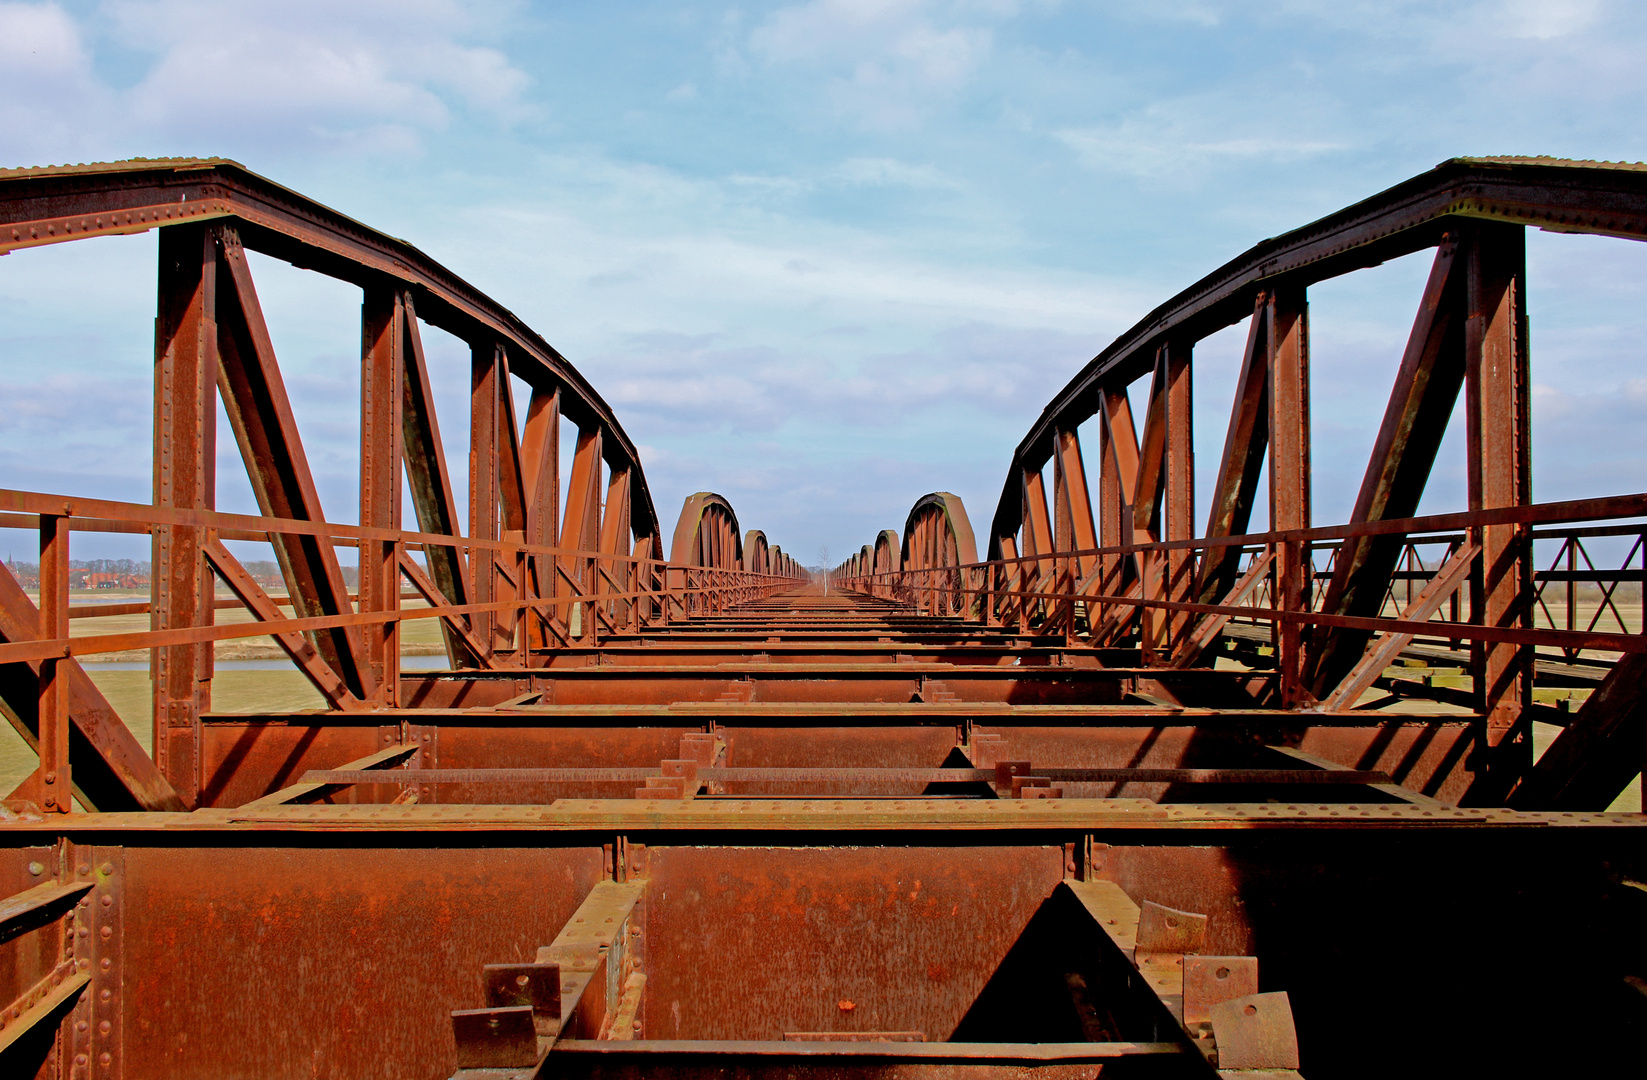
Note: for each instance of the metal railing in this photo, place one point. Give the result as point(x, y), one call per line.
point(1102, 595)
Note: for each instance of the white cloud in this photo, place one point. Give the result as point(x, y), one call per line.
point(313, 69)
point(1195, 12)
point(1546, 19)
point(47, 90)
point(682, 383)
point(889, 172)
point(270, 77)
point(887, 61)
point(41, 40)
point(1186, 139)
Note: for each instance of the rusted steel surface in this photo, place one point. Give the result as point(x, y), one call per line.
point(1119, 798)
point(344, 960)
point(902, 944)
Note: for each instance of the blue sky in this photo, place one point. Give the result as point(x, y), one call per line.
point(822, 257)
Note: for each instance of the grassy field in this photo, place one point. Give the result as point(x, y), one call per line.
point(128, 692)
point(232, 690)
point(418, 637)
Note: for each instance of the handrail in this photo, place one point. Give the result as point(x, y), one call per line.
point(679, 583)
point(993, 592)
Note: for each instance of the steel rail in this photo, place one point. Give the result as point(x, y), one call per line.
point(844, 775)
point(647, 1053)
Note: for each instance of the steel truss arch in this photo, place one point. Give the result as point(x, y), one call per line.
point(1111, 557)
point(937, 542)
point(757, 554)
point(538, 568)
point(707, 534)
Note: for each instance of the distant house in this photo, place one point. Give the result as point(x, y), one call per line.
point(85, 579)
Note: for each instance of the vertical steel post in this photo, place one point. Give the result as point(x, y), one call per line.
point(56, 788)
point(382, 393)
point(185, 444)
point(1180, 484)
point(487, 372)
point(1037, 540)
point(1069, 484)
point(1148, 495)
point(1497, 414)
point(540, 469)
point(1112, 505)
point(1119, 483)
point(580, 531)
point(1289, 369)
point(614, 539)
point(431, 485)
point(1012, 580)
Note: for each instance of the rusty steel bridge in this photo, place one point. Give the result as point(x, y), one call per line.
point(1115, 792)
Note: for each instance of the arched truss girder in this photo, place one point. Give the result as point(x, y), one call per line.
point(541, 565)
point(874, 564)
point(209, 213)
point(757, 554)
point(1111, 556)
point(888, 553)
point(55, 204)
point(1468, 348)
point(707, 534)
point(1556, 195)
point(937, 534)
point(937, 541)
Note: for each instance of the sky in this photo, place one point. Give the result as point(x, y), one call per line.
point(821, 257)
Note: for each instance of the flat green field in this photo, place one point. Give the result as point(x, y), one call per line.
point(128, 692)
point(232, 690)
